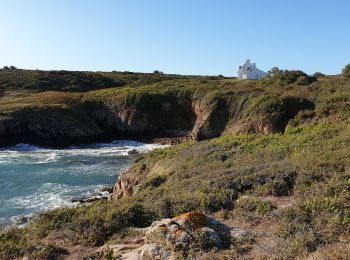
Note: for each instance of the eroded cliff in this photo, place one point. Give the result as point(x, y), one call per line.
point(197, 107)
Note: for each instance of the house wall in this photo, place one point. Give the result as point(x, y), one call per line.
point(253, 73)
point(256, 74)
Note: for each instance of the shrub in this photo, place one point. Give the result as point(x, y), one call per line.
point(61, 98)
point(93, 223)
point(278, 184)
point(47, 252)
point(346, 71)
point(52, 220)
point(155, 181)
point(318, 75)
point(287, 77)
point(275, 71)
point(333, 105)
point(255, 205)
point(216, 200)
point(302, 80)
point(158, 72)
point(14, 245)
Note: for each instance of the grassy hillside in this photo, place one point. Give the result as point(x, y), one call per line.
point(75, 81)
point(290, 188)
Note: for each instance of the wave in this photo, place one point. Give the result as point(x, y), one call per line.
point(52, 195)
point(38, 155)
point(48, 197)
point(119, 143)
point(34, 179)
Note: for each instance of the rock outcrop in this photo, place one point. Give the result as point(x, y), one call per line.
point(175, 117)
point(125, 187)
point(154, 115)
point(51, 127)
point(189, 235)
point(211, 119)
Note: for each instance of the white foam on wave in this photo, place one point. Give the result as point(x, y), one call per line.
point(50, 196)
point(31, 154)
point(26, 153)
point(53, 195)
point(121, 147)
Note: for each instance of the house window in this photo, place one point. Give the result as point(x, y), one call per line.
point(257, 77)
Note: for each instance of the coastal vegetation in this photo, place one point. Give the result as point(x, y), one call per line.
point(270, 157)
point(346, 71)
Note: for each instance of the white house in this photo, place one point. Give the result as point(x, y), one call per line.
point(250, 71)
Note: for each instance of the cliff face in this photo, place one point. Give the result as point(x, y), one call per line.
point(199, 119)
point(173, 118)
point(211, 119)
point(55, 127)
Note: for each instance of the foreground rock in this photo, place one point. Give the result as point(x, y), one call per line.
point(189, 235)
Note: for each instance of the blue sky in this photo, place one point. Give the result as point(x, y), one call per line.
point(183, 36)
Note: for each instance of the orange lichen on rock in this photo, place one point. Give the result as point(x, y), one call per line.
point(194, 219)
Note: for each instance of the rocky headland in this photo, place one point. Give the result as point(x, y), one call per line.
point(259, 169)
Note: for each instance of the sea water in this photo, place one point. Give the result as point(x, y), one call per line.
point(34, 179)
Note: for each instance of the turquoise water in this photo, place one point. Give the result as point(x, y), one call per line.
point(34, 179)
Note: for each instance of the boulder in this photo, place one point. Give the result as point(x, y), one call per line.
point(189, 235)
point(192, 230)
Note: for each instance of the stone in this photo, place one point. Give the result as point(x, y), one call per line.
point(188, 236)
point(155, 251)
point(210, 238)
point(239, 235)
point(107, 189)
point(188, 231)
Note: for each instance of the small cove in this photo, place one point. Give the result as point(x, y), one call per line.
point(34, 179)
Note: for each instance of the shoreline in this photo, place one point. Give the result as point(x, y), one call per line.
point(103, 193)
point(161, 138)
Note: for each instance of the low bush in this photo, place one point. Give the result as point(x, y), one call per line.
point(255, 205)
point(14, 244)
point(318, 75)
point(94, 223)
point(346, 71)
point(287, 77)
point(155, 181)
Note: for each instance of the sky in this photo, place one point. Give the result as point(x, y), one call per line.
point(182, 37)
